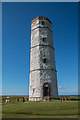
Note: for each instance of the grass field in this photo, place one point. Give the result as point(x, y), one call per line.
point(45, 109)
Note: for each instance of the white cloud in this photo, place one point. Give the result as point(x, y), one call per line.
point(60, 87)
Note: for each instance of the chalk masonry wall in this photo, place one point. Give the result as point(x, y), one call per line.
point(42, 72)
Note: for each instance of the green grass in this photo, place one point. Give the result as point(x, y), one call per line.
point(40, 110)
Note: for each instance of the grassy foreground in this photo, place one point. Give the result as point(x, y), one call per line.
point(40, 110)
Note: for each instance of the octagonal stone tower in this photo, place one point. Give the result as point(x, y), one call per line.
point(43, 74)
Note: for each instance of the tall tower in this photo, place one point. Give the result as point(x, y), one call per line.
point(43, 74)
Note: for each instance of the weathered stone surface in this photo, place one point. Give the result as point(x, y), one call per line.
point(42, 59)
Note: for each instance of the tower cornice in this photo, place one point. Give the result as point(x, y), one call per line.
point(41, 18)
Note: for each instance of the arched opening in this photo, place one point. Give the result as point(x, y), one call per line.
point(46, 89)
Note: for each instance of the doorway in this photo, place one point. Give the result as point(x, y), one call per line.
point(46, 89)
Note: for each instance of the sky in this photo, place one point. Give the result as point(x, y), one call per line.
point(16, 33)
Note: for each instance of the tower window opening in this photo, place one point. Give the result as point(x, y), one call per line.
point(44, 60)
point(33, 90)
point(42, 22)
point(43, 39)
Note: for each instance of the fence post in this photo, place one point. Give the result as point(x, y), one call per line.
point(65, 98)
point(69, 98)
point(62, 99)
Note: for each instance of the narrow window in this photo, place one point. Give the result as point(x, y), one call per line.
point(42, 22)
point(44, 60)
point(43, 39)
point(33, 90)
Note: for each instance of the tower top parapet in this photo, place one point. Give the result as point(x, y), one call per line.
point(41, 18)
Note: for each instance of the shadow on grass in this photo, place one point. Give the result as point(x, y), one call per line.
point(31, 113)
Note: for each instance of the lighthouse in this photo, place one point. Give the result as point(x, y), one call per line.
point(43, 74)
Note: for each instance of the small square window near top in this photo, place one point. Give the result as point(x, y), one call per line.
point(42, 22)
point(43, 39)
